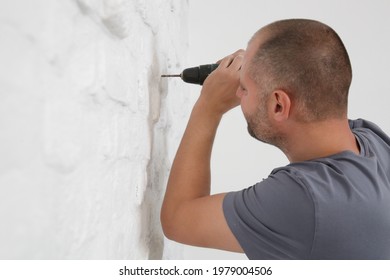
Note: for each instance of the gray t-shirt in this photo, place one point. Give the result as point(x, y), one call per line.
point(336, 207)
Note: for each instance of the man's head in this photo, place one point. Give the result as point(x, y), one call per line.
point(301, 62)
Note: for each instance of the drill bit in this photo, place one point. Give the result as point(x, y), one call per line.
point(174, 75)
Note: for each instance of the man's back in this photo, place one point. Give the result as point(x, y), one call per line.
point(329, 208)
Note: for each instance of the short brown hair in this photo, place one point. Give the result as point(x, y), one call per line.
point(308, 60)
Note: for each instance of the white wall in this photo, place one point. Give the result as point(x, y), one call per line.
point(88, 129)
point(219, 27)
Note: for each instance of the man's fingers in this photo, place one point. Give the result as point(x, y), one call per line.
point(228, 60)
point(237, 62)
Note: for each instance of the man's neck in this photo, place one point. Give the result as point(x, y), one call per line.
point(319, 139)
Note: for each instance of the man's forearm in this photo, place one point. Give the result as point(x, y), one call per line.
point(189, 213)
point(190, 174)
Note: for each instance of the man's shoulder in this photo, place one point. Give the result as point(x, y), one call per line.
point(362, 126)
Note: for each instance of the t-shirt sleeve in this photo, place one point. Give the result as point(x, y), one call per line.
point(274, 219)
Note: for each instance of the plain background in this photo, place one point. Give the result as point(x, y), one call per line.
point(219, 27)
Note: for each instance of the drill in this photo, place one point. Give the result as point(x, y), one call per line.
point(195, 75)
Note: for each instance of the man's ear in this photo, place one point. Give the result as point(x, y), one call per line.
point(280, 105)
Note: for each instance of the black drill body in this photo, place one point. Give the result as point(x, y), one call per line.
point(195, 75)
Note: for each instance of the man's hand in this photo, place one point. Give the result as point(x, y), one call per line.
point(189, 214)
point(219, 89)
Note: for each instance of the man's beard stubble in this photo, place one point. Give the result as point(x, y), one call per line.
point(259, 127)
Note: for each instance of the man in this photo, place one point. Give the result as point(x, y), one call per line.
point(332, 201)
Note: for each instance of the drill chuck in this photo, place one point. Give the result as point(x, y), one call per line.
point(195, 75)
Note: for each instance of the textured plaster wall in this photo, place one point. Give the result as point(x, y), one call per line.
point(88, 130)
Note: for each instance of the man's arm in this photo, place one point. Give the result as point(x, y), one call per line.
point(189, 213)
